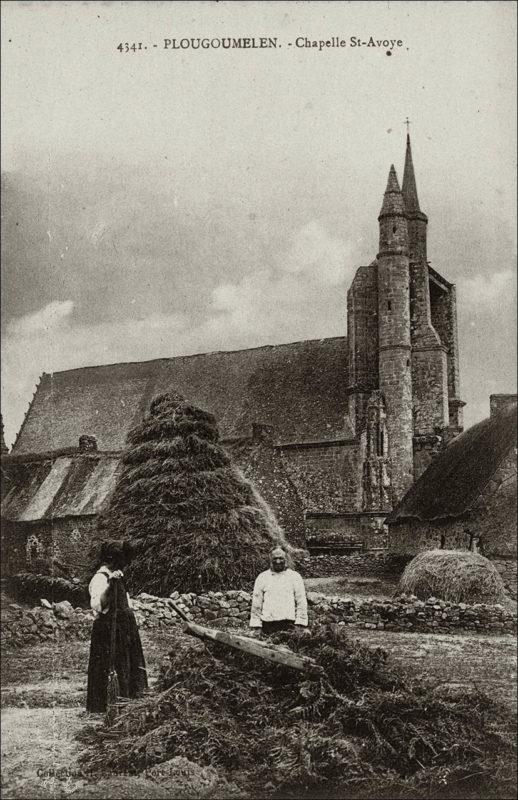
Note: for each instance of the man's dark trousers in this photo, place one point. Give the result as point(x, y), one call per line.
point(277, 625)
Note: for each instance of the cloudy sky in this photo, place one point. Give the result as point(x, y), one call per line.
point(165, 202)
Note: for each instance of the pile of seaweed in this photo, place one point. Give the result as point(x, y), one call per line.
point(357, 730)
point(196, 521)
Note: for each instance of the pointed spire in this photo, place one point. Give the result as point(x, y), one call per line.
point(392, 182)
point(393, 199)
point(409, 185)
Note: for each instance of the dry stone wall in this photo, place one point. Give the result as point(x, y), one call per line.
point(374, 563)
point(21, 626)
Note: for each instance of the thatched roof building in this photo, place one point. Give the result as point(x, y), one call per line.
point(466, 498)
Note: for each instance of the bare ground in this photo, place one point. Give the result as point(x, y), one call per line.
point(356, 588)
point(44, 690)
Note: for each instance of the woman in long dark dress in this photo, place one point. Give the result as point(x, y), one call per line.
point(129, 663)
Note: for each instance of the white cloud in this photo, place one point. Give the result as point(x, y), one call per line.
point(295, 299)
point(48, 341)
point(485, 292)
point(51, 317)
point(314, 252)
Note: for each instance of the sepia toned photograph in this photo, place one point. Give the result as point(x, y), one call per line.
point(258, 400)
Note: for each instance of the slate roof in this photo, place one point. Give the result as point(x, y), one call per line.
point(51, 487)
point(455, 478)
point(299, 389)
point(54, 488)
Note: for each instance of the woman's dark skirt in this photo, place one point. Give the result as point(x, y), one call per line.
point(129, 659)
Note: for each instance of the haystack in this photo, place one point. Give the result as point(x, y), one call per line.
point(455, 575)
point(197, 522)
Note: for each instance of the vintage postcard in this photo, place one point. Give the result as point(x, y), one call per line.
point(258, 387)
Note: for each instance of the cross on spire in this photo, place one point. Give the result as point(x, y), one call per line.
point(407, 123)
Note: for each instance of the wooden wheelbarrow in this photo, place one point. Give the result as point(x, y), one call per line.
point(279, 654)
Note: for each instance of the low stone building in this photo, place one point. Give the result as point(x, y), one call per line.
point(49, 509)
point(466, 498)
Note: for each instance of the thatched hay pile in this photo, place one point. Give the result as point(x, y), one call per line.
point(358, 730)
point(455, 575)
point(197, 522)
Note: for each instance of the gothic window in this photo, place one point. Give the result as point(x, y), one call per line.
point(443, 541)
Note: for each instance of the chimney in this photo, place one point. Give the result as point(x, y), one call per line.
point(497, 402)
point(87, 444)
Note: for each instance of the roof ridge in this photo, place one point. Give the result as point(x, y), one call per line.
point(489, 433)
point(194, 355)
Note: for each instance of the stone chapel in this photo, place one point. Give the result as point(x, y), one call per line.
point(333, 431)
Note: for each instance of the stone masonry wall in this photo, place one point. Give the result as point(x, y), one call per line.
point(444, 319)
point(372, 564)
point(414, 536)
point(14, 553)
point(337, 530)
point(426, 448)
point(231, 609)
point(423, 334)
point(395, 380)
point(61, 541)
point(507, 568)
point(430, 389)
point(328, 478)
point(362, 342)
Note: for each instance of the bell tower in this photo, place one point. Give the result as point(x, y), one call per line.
point(394, 352)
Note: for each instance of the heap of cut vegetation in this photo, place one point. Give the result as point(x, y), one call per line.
point(356, 730)
point(455, 575)
point(197, 523)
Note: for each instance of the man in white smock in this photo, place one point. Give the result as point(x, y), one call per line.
point(279, 599)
